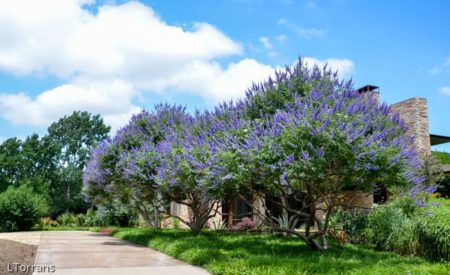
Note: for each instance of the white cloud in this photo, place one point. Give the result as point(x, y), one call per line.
point(345, 67)
point(66, 40)
point(310, 5)
point(109, 58)
point(445, 90)
point(447, 62)
point(434, 71)
point(281, 38)
point(302, 32)
point(112, 98)
point(216, 84)
point(443, 67)
point(265, 41)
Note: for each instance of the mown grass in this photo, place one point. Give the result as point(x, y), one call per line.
point(257, 253)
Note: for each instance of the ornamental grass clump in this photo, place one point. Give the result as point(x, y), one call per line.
point(433, 232)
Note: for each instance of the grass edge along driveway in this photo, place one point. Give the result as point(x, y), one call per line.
point(258, 253)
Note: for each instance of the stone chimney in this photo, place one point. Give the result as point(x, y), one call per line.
point(370, 91)
point(414, 112)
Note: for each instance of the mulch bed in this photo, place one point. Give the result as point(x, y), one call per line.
point(15, 252)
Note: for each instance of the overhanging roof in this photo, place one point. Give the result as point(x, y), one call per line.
point(437, 139)
point(446, 168)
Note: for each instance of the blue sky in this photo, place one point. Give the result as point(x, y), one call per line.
point(117, 57)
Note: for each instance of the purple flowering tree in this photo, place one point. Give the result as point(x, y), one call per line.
point(185, 176)
point(298, 141)
point(122, 168)
point(330, 140)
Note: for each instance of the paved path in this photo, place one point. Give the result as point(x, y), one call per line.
point(87, 253)
point(23, 237)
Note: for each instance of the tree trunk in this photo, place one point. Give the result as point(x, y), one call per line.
point(230, 214)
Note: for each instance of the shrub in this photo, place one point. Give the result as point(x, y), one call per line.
point(433, 233)
point(443, 157)
point(175, 223)
point(403, 227)
point(218, 224)
point(392, 227)
point(117, 214)
point(80, 220)
point(348, 225)
point(67, 219)
point(20, 208)
point(47, 222)
point(91, 218)
point(246, 224)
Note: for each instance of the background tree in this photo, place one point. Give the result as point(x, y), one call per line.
point(10, 163)
point(29, 162)
point(74, 136)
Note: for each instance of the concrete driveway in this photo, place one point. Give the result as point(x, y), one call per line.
point(87, 253)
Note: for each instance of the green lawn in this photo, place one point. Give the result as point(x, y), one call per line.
point(248, 253)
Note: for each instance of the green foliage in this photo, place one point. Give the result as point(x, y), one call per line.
point(433, 232)
point(276, 98)
point(287, 222)
point(20, 208)
point(391, 227)
point(46, 222)
point(74, 137)
point(175, 223)
point(52, 165)
point(253, 253)
point(10, 159)
point(117, 214)
point(444, 182)
point(67, 219)
point(30, 162)
point(107, 215)
point(405, 228)
point(91, 218)
point(352, 223)
point(443, 157)
point(433, 174)
point(218, 224)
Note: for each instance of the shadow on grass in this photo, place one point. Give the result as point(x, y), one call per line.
point(229, 252)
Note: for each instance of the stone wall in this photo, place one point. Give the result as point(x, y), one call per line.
point(414, 112)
